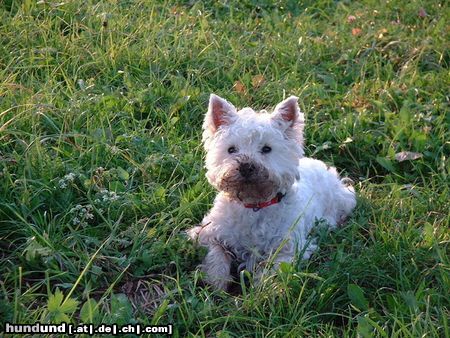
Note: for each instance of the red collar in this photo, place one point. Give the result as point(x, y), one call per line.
point(258, 206)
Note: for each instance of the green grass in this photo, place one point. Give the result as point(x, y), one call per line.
point(101, 105)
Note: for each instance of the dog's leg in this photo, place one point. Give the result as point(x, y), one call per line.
point(287, 254)
point(193, 233)
point(270, 266)
point(303, 250)
point(217, 265)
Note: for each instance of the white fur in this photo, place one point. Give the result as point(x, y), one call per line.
point(312, 191)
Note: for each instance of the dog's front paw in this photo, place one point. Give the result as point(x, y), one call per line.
point(194, 232)
point(216, 266)
point(219, 283)
point(347, 181)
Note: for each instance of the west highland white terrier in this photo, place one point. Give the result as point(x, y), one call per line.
point(270, 196)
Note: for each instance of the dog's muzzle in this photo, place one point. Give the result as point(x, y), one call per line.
point(248, 182)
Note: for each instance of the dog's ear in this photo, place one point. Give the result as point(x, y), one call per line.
point(287, 111)
point(288, 117)
point(220, 112)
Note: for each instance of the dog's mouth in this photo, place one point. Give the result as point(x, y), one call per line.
point(255, 194)
point(254, 191)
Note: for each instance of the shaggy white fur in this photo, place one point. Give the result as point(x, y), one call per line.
point(251, 157)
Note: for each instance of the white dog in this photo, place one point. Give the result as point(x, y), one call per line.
point(269, 194)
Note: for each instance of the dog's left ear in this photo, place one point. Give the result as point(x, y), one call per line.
point(288, 117)
point(287, 111)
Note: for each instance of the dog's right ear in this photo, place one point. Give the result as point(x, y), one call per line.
point(220, 112)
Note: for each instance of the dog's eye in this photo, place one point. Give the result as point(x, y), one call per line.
point(266, 149)
point(232, 150)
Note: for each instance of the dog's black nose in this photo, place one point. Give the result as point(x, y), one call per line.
point(246, 169)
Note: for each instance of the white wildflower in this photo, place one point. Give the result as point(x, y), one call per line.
point(70, 177)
